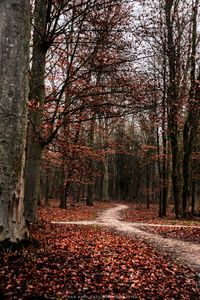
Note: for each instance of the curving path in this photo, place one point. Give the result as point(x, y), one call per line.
point(185, 252)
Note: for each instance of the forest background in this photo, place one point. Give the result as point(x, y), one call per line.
point(113, 109)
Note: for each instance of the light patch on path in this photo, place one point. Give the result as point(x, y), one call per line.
point(185, 252)
point(77, 222)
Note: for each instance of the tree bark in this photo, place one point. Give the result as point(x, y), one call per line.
point(105, 179)
point(169, 172)
point(191, 124)
point(148, 175)
point(47, 188)
point(62, 186)
point(193, 196)
point(14, 66)
point(161, 204)
point(37, 94)
point(164, 138)
point(90, 195)
point(173, 101)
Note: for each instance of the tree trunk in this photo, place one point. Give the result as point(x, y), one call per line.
point(90, 196)
point(176, 176)
point(169, 171)
point(37, 94)
point(164, 177)
point(173, 101)
point(191, 124)
point(193, 196)
point(105, 179)
point(32, 180)
point(190, 131)
point(47, 188)
point(14, 66)
point(39, 198)
point(62, 186)
point(148, 186)
point(164, 139)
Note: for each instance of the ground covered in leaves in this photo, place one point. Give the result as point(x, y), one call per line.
point(90, 262)
point(74, 212)
point(139, 214)
point(185, 234)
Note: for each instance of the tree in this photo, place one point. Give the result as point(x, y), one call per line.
point(47, 28)
point(37, 92)
point(14, 66)
point(192, 120)
point(65, 38)
point(172, 42)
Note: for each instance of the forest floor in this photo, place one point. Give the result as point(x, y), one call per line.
point(102, 260)
point(179, 240)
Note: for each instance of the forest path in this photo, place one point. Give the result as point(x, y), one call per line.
point(184, 252)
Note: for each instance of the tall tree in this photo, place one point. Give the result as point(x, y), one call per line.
point(192, 120)
point(173, 38)
point(14, 66)
point(173, 101)
point(65, 38)
point(37, 94)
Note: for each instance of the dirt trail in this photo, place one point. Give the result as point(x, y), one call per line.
point(185, 252)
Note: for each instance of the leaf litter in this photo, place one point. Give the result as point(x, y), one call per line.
point(139, 214)
point(90, 262)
